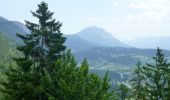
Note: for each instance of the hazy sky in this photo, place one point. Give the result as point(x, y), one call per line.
point(126, 19)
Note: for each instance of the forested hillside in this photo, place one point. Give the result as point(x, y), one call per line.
point(117, 55)
point(7, 49)
point(10, 28)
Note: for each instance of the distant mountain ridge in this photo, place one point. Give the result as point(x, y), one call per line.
point(2, 19)
point(151, 42)
point(10, 28)
point(100, 36)
point(7, 48)
point(89, 37)
point(93, 43)
point(92, 37)
point(78, 44)
point(118, 56)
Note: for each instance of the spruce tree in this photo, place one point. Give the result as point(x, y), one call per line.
point(122, 91)
point(45, 43)
point(73, 82)
point(138, 83)
point(40, 51)
point(155, 74)
point(168, 87)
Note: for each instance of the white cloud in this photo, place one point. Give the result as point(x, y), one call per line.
point(154, 10)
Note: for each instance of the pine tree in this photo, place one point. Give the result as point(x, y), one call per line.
point(156, 81)
point(42, 48)
point(122, 91)
point(137, 83)
point(45, 43)
point(76, 83)
point(168, 87)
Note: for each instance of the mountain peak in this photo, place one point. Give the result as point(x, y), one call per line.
point(93, 28)
point(97, 35)
point(95, 31)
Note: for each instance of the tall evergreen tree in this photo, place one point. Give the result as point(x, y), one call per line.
point(156, 81)
point(42, 48)
point(45, 43)
point(76, 83)
point(122, 91)
point(168, 87)
point(138, 83)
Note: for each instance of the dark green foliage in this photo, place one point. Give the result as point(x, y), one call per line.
point(45, 44)
point(75, 83)
point(156, 81)
point(123, 92)
point(151, 81)
point(68, 81)
point(168, 87)
point(137, 82)
point(42, 48)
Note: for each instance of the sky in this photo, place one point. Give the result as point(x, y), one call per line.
point(125, 19)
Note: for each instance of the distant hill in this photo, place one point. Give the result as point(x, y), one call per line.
point(113, 75)
point(92, 37)
point(7, 49)
point(100, 36)
point(10, 28)
point(77, 44)
point(22, 26)
point(3, 19)
point(117, 56)
point(151, 42)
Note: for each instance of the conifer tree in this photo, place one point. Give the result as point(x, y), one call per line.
point(41, 49)
point(76, 83)
point(156, 81)
point(122, 91)
point(45, 43)
point(168, 87)
point(138, 83)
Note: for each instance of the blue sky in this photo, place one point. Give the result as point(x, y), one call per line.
point(125, 19)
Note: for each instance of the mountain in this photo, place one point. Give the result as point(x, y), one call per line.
point(77, 44)
point(7, 49)
point(10, 28)
point(117, 56)
point(119, 61)
point(22, 26)
point(151, 42)
point(92, 37)
point(3, 19)
point(100, 36)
